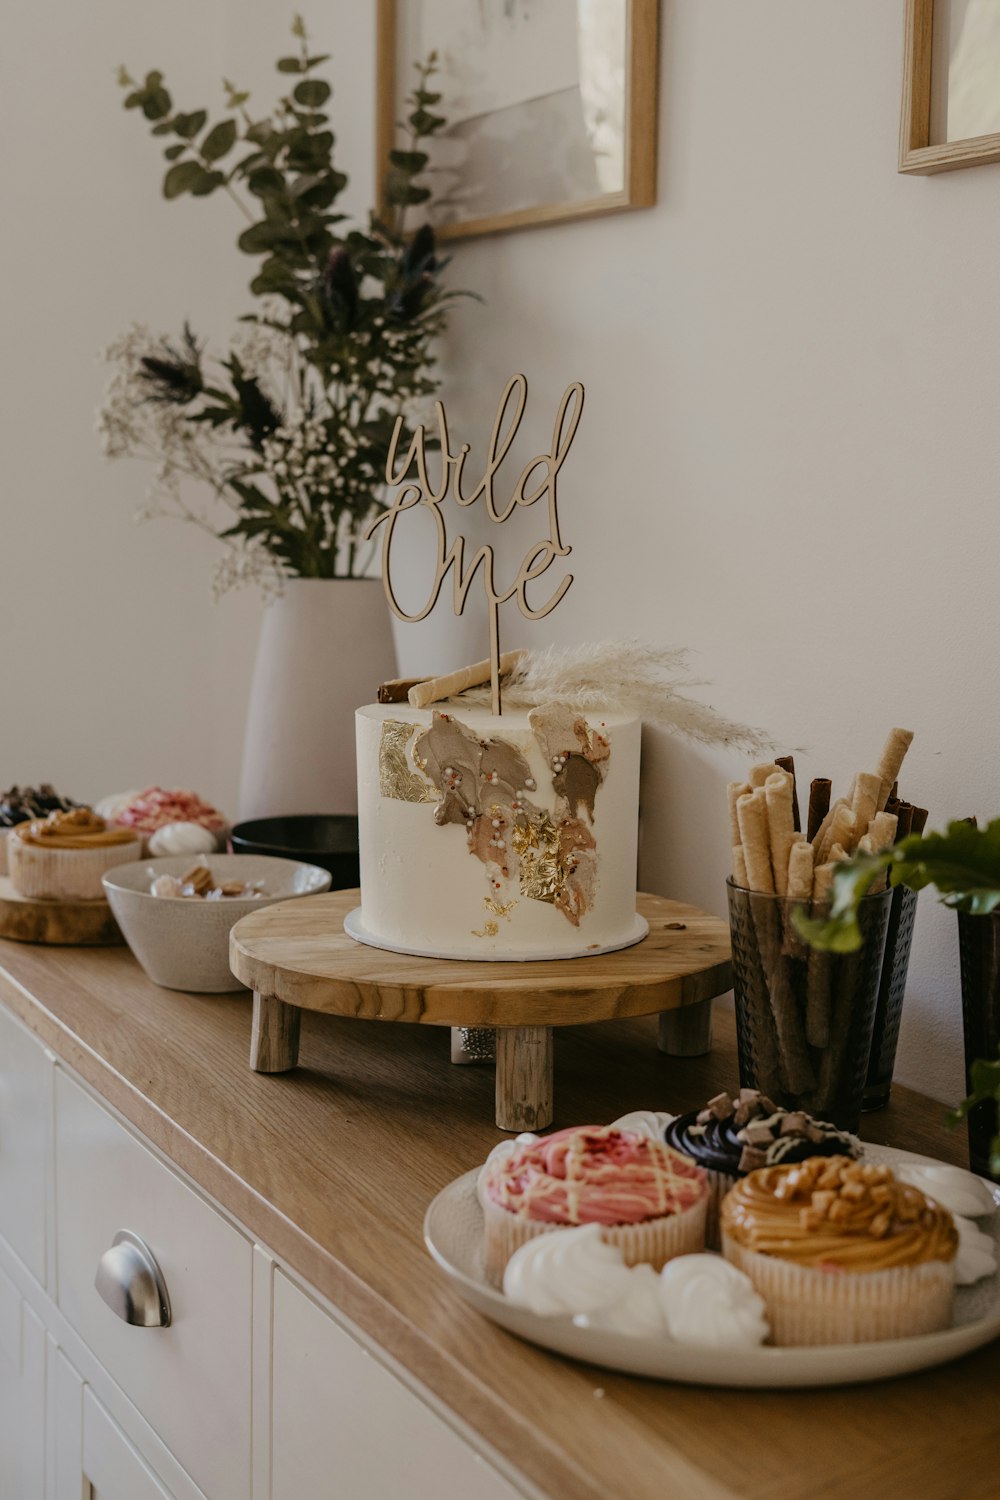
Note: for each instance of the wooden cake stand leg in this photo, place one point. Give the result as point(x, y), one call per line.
point(686, 1031)
point(274, 1041)
point(524, 1077)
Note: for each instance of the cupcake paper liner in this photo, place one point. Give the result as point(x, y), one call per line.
point(654, 1240)
point(65, 874)
point(809, 1305)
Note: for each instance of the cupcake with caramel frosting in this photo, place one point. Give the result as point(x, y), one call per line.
point(649, 1200)
point(841, 1251)
point(62, 857)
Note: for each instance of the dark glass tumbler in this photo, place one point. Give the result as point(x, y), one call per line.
point(804, 1020)
point(979, 955)
point(891, 990)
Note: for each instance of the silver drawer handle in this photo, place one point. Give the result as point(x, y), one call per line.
point(132, 1284)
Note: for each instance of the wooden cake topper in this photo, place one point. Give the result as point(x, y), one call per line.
point(421, 490)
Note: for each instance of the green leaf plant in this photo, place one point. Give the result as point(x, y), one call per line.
point(963, 863)
point(287, 433)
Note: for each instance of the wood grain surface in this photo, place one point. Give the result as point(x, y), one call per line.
point(387, 1123)
point(298, 952)
point(24, 919)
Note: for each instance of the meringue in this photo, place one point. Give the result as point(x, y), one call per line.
point(182, 838)
point(109, 807)
point(566, 1272)
point(648, 1122)
point(638, 1313)
point(958, 1191)
point(705, 1300)
point(977, 1252)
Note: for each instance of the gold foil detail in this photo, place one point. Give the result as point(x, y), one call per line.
point(490, 930)
point(537, 846)
point(499, 908)
point(396, 777)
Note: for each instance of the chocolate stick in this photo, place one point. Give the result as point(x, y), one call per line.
point(918, 820)
point(904, 818)
point(787, 763)
point(819, 805)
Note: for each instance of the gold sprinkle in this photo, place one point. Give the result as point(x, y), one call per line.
point(396, 777)
point(490, 930)
point(499, 908)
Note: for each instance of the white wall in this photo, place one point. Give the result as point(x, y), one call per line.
point(788, 459)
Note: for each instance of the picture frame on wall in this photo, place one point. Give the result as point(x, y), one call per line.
point(551, 106)
point(951, 85)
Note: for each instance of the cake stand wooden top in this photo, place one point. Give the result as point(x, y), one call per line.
point(297, 951)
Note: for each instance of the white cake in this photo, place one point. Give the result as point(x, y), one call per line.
point(497, 838)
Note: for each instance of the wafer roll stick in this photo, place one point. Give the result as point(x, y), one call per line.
point(800, 871)
point(822, 882)
point(740, 877)
point(735, 790)
point(751, 812)
point(893, 753)
point(904, 819)
point(864, 803)
point(770, 1075)
point(780, 824)
point(818, 970)
point(819, 837)
point(819, 805)
point(437, 688)
point(787, 763)
point(757, 775)
point(788, 1020)
point(838, 854)
point(882, 831)
point(840, 831)
point(798, 889)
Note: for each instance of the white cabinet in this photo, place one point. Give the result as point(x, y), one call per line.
point(254, 1391)
point(25, 1111)
point(345, 1428)
point(22, 1396)
point(191, 1381)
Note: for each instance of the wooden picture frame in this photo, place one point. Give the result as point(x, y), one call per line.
point(640, 133)
point(916, 153)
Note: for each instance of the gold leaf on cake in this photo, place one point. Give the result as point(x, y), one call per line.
point(499, 908)
point(397, 778)
point(537, 845)
point(490, 929)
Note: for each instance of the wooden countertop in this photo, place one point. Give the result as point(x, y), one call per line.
point(333, 1165)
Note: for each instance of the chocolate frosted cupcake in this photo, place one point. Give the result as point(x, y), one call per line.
point(19, 804)
point(731, 1137)
point(842, 1252)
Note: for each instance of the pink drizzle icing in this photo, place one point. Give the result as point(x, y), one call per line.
point(595, 1174)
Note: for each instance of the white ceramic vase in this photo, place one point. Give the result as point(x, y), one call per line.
point(324, 647)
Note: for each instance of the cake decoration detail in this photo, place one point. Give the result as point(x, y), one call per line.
point(707, 1300)
point(484, 786)
point(397, 778)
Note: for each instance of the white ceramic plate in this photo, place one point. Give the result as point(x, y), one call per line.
point(453, 1231)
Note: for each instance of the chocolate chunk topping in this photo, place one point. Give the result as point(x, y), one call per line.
point(719, 1108)
point(751, 1158)
point(793, 1123)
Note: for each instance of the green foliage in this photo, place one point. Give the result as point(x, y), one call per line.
point(963, 863)
point(361, 308)
point(985, 1077)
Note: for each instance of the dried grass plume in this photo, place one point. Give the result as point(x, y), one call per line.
point(628, 677)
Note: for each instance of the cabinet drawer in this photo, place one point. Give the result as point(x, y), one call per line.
point(343, 1425)
point(191, 1381)
point(25, 1111)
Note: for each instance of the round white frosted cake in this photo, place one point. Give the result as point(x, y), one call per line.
point(485, 837)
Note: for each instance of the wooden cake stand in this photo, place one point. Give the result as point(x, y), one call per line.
point(296, 956)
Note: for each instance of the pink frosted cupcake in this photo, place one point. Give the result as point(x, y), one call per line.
point(841, 1252)
point(649, 1200)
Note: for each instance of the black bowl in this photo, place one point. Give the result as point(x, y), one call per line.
point(330, 841)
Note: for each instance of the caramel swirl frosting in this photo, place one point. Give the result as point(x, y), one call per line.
point(837, 1213)
point(80, 828)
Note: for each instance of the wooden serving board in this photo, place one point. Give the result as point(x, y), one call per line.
point(28, 919)
point(296, 956)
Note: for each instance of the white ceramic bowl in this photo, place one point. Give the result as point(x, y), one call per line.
point(183, 944)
